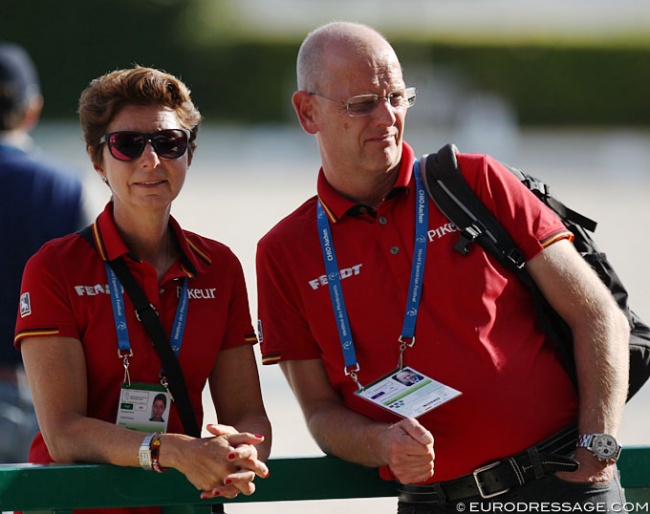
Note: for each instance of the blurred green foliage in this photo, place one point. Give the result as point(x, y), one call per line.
point(559, 85)
point(236, 77)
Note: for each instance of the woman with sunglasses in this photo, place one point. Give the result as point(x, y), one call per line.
point(90, 360)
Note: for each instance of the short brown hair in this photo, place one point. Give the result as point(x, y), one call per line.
point(105, 96)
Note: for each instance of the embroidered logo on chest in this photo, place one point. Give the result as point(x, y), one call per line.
point(200, 294)
point(343, 273)
point(441, 231)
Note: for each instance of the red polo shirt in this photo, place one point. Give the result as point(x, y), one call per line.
point(65, 293)
point(476, 330)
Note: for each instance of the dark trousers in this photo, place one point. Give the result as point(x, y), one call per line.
point(548, 494)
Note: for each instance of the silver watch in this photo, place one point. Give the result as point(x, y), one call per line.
point(604, 446)
point(144, 454)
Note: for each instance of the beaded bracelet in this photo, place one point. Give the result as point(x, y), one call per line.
point(155, 453)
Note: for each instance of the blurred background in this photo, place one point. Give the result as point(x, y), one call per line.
point(558, 88)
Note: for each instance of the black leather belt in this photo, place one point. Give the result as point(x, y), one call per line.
point(500, 476)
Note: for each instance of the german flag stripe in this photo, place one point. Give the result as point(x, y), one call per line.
point(99, 244)
point(187, 271)
point(202, 255)
point(327, 210)
point(565, 234)
point(36, 332)
point(271, 359)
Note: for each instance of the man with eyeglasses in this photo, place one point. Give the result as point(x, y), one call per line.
point(361, 283)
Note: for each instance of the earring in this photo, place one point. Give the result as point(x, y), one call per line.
point(104, 180)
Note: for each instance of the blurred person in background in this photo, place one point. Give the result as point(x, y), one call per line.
point(39, 200)
point(343, 279)
point(140, 127)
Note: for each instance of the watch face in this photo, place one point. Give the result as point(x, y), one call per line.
point(605, 447)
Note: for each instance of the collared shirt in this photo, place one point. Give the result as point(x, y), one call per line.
point(65, 293)
point(476, 330)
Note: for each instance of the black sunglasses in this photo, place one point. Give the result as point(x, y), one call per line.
point(128, 145)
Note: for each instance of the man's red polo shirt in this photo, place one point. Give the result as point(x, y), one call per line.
point(476, 330)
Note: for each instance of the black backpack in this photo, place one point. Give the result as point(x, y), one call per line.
point(455, 198)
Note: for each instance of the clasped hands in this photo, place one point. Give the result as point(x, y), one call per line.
point(225, 464)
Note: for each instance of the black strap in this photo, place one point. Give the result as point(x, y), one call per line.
point(460, 204)
point(149, 318)
point(542, 191)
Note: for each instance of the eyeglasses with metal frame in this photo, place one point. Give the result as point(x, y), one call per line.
point(363, 105)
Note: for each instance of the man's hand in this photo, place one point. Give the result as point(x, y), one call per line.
point(408, 450)
point(590, 469)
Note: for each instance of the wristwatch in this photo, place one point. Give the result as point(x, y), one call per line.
point(604, 446)
point(144, 454)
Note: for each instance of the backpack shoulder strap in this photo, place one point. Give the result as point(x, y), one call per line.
point(456, 199)
point(543, 191)
point(460, 204)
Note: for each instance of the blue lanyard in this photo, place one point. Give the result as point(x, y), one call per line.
point(336, 293)
point(407, 338)
point(419, 257)
point(117, 301)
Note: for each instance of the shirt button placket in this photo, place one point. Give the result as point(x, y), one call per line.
point(382, 220)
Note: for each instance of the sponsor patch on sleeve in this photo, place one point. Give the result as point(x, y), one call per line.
point(260, 334)
point(25, 305)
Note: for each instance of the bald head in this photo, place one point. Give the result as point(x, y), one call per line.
point(334, 43)
point(342, 64)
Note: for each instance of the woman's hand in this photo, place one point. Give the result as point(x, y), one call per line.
point(223, 465)
point(235, 391)
point(244, 457)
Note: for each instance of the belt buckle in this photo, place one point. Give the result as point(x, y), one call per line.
point(475, 474)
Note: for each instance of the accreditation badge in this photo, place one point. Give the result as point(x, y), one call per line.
point(144, 407)
point(407, 393)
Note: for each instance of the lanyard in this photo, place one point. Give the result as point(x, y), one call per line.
point(407, 337)
point(117, 301)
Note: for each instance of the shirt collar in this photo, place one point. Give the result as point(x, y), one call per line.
point(337, 206)
point(110, 245)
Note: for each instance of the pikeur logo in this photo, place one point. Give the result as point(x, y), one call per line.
point(198, 294)
point(343, 273)
point(439, 232)
point(194, 294)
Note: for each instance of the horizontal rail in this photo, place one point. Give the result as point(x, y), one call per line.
point(28, 487)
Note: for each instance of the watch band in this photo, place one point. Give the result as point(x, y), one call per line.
point(144, 454)
point(584, 440)
point(605, 447)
